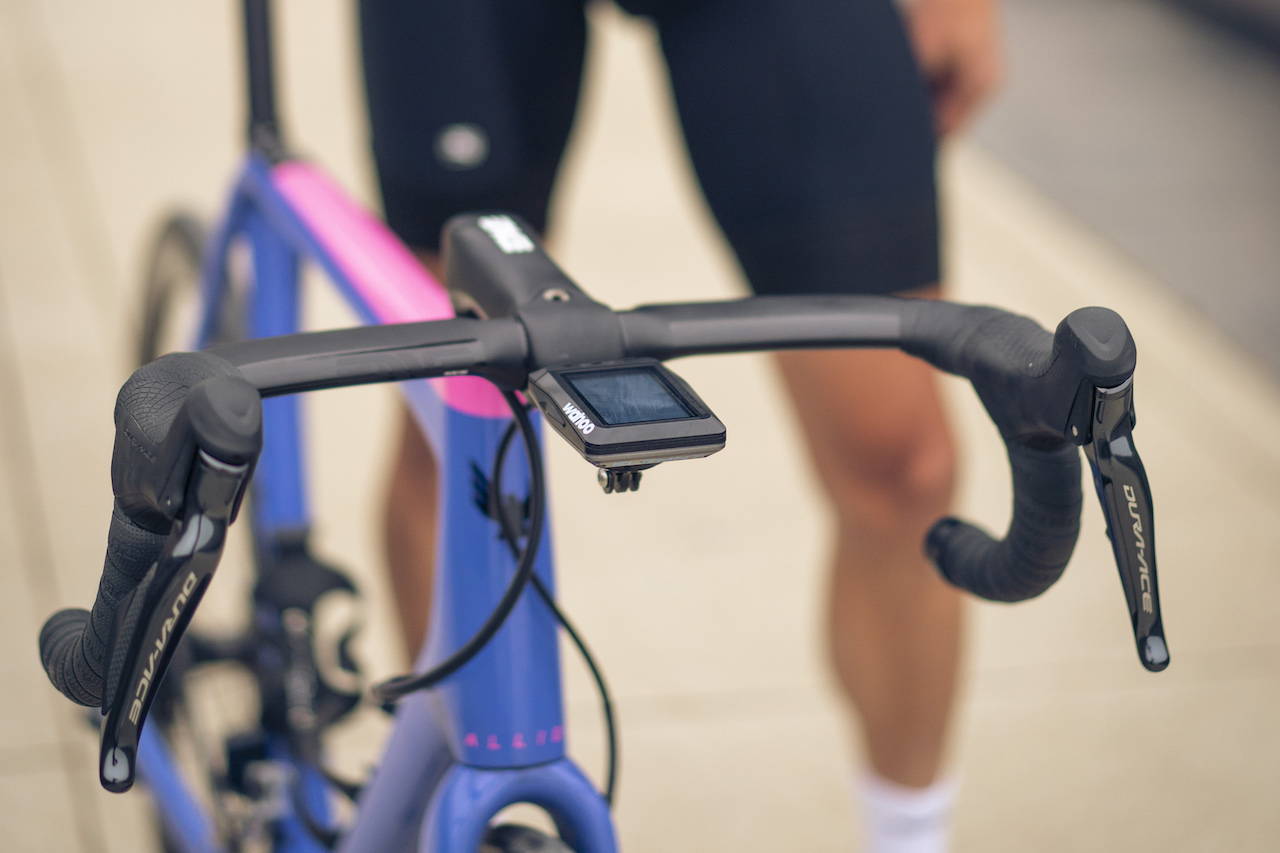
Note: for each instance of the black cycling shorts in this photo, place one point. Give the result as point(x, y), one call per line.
point(807, 121)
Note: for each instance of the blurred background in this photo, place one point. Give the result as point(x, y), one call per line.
point(1129, 161)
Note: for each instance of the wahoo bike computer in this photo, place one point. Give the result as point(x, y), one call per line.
point(634, 413)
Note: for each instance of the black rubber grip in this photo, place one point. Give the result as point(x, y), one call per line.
point(76, 644)
point(149, 468)
point(150, 463)
point(1028, 379)
point(1041, 536)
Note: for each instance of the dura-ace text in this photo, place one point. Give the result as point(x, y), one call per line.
point(166, 631)
point(1140, 543)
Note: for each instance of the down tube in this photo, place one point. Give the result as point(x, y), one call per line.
point(501, 715)
point(504, 708)
point(500, 718)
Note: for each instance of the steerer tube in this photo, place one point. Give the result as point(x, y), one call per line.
point(264, 124)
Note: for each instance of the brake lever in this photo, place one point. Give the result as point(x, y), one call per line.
point(153, 619)
point(1125, 495)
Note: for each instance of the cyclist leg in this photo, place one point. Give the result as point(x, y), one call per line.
point(470, 106)
point(409, 527)
point(810, 131)
point(882, 451)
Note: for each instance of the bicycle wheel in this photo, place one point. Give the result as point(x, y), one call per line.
point(168, 320)
point(512, 838)
point(171, 291)
point(219, 755)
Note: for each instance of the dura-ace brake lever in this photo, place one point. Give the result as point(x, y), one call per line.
point(1125, 496)
point(155, 616)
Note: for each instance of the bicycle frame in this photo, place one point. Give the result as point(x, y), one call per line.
point(493, 734)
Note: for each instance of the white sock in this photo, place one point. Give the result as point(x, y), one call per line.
point(899, 819)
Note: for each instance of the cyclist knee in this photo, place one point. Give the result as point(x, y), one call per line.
point(878, 438)
point(895, 482)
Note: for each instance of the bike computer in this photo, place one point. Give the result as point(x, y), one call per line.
point(633, 413)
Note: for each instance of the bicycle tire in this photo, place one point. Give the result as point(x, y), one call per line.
point(171, 271)
point(513, 838)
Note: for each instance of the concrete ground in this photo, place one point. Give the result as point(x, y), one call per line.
point(710, 631)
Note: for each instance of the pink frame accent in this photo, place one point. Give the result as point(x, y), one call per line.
point(395, 287)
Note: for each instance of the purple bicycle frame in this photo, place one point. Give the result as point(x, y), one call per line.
point(493, 734)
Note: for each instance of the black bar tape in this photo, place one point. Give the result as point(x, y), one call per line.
point(77, 664)
point(1008, 358)
point(1042, 532)
point(959, 338)
point(61, 640)
point(1028, 390)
